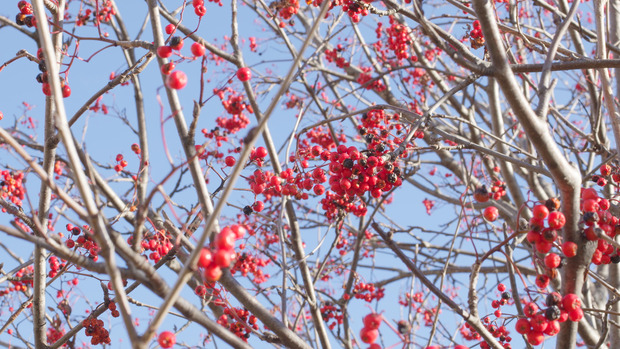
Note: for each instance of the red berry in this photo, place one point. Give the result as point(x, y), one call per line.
point(224, 257)
point(167, 68)
point(213, 273)
point(46, 88)
point(491, 213)
point(244, 74)
point(542, 281)
point(523, 326)
point(540, 211)
point(225, 239)
point(164, 51)
point(167, 339)
point(575, 315)
point(539, 323)
point(230, 161)
point(205, 259)
point(368, 335)
point(552, 260)
point(176, 80)
point(535, 338)
point(571, 302)
point(66, 91)
point(258, 206)
point(530, 309)
point(198, 49)
point(170, 28)
point(569, 249)
point(373, 320)
point(553, 328)
point(556, 220)
point(200, 11)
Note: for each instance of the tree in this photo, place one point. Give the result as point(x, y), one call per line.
point(367, 174)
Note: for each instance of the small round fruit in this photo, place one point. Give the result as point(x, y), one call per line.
point(167, 339)
point(213, 273)
point(373, 320)
point(523, 326)
point(569, 249)
point(170, 28)
point(230, 161)
point(481, 194)
point(368, 335)
point(205, 259)
point(244, 74)
point(552, 260)
point(164, 51)
point(66, 91)
point(198, 49)
point(556, 220)
point(176, 80)
point(491, 213)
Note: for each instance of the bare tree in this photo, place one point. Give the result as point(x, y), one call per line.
point(312, 141)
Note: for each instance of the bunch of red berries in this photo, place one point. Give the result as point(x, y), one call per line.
point(222, 253)
point(540, 322)
point(83, 240)
point(476, 36)
point(599, 222)
point(93, 327)
point(398, 39)
point(333, 56)
point(370, 331)
point(121, 163)
point(330, 312)
point(25, 17)
point(239, 322)
point(368, 292)
point(11, 187)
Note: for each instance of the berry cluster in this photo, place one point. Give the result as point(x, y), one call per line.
point(43, 78)
point(598, 221)
point(540, 322)
point(83, 240)
point(370, 331)
point(398, 39)
point(239, 322)
point(368, 292)
point(367, 81)
point(355, 9)
point(25, 17)
point(495, 327)
point(103, 13)
point(113, 311)
point(333, 56)
point(285, 9)
point(23, 280)
point(234, 105)
point(120, 163)
point(330, 312)
point(222, 253)
point(248, 264)
point(55, 266)
point(93, 327)
point(476, 36)
point(11, 187)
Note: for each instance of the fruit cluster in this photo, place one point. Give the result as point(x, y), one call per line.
point(18, 284)
point(83, 241)
point(25, 17)
point(93, 327)
point(398, 39)
point(475, 35)
point(540, 322)
point(370, 331)
point(368, 291)
point(333, 314)
point(120, 163)
point(248, 264)
point(239, 322)
point(221, 254)
point(333, 56)
point(11, 187)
